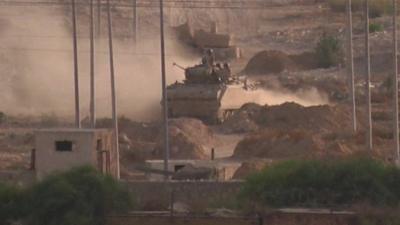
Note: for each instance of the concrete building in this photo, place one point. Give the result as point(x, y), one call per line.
point(63, 149)
point(193, 169)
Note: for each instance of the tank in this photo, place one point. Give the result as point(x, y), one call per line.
point(209, 93)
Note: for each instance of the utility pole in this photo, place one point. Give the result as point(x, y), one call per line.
point(164, 91)
point(98, 17)
point(112, 76)
point(135, 22)
point(368, 77)
point(76, 75)
point(92, 80)
point(350, 65)
point(396, 85)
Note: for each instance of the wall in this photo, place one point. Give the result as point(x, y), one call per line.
point(84, 150)
point(165, 220)
point(108, 145)
point(48, 160)
point(270, 219)
point(196, 194)
point(225, 170)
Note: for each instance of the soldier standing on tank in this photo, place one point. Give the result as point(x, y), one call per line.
point(208, 61)
point(210, 58)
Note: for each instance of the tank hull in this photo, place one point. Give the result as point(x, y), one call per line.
point(205, 102)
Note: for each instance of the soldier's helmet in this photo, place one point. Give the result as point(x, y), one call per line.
point(210, 51)
point(203, 60)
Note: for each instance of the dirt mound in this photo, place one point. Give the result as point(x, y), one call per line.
point(269, 62)
point(250, 167)
point(188, 139)
point(194, 128)
point(275, 62)
point(291, 116)
point(244, 120)
point(182, 146)
point(288, 116)
point(292, 131)
point(278, 144)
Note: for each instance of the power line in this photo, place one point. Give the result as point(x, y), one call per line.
point(116, 2)
point(202, 4)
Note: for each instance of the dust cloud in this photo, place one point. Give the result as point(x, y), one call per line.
point(37, 67)
point(36, 63)
point(234, 97)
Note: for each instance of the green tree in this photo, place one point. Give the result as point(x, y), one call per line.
point(10, 201)
point(317, 183)
point(81, 196)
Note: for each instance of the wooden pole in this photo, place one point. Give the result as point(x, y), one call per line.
point(368, 78)
point(92, 79)
point(395, 86)
point(164, 91)
point(112, 76)
point(76, 75)
point(98, 18)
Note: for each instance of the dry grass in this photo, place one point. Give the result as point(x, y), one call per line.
point(377, 7)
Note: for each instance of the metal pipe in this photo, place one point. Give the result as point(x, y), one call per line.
point(164, 90)
point(112, 76)
point(92, 79)
point(350, 66)
point(368, 77)
point(76, 75)
point(396, 85)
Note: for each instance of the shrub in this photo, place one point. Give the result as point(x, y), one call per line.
point(9, 203)
point(328, 51)
point(317, 183)
point(81, 196)
point(375, 27)
point(78, 197)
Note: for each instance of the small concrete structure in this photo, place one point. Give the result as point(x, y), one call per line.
point(223, 170)
point(63, 149)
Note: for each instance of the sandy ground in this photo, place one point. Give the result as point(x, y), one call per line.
point(37, 60)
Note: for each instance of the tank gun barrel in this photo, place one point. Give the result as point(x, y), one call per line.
point(179, 66)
